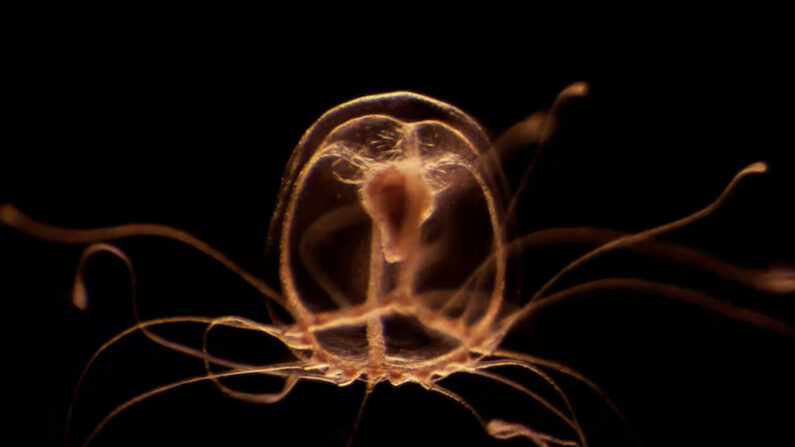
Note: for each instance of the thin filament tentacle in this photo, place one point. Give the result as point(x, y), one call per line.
point(513, 384)
point(529, 362)
point(81, 301)
point(506, 430)
point(19, 220)
point(238, 323)
point(772, 281)
point(445, 392)
point(532, 368)
point(754, 168)
point(367, 392)
point(265, 398)
point(778, 281)
point(282, 369)
point(660, 288)
point(540, 129)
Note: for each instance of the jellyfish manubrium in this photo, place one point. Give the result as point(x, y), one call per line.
point(396, 257)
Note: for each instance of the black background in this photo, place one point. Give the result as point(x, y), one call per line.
point(106, 128)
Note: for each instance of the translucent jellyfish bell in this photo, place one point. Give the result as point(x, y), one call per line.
point(381, 193)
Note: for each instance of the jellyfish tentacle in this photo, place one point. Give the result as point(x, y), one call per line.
point(79, 293)
point(754, 168)
point(537, 128)
point(267, 398)
point(445, 392)
point(500, 429)
point(540, 439)
point(532, 362)
point(535, 396)
point(80, 297)
point(780, 281)
point(367, 392)
point(258, 398)
point(240, 324)
point(15, 218)
point(527, 131)
point(659, 288)
point(280, 369)
point(777, 280)
point(537, 371)
point(669, 290)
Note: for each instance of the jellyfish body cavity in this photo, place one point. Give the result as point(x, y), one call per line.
point(390, 203)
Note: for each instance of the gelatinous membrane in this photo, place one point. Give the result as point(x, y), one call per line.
point(395, 266)
point(380, 195)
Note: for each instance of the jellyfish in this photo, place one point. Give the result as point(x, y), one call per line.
point(401, 263)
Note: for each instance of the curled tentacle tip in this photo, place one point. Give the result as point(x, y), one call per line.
point(79, 296)
point(758, 167)
point(500, 429)
point(7, 212)
point(576, 89)
point(779, 280)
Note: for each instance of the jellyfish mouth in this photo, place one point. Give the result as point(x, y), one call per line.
point(398, 200)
